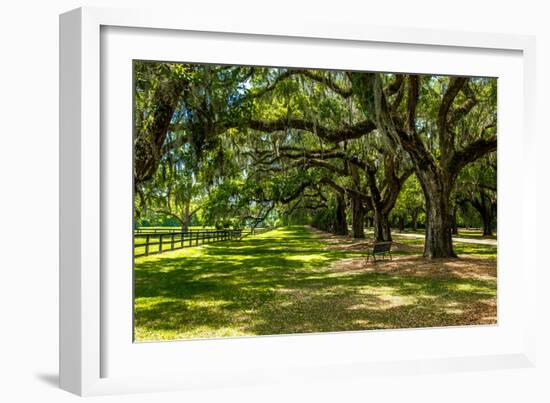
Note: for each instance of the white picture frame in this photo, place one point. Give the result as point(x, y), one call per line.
point(92, 350)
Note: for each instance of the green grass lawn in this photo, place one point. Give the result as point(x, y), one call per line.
point(291, 280)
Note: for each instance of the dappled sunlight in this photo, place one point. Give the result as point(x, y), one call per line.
point(228, 159)
point(465, 267)
point(292, 281)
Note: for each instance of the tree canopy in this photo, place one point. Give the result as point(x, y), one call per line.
point(247, 146)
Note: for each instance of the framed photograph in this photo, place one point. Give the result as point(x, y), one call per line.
point(244, 204)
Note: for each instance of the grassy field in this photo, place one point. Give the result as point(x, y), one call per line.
point(295, 280)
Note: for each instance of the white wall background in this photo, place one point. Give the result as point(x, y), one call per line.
point(29, 201)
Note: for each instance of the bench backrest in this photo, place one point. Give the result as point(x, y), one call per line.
point(381, 247)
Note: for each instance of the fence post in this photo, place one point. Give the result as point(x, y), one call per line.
point(197, 238)
point(172, 241)
point(160, 243)
point(147, 245)
point(190, 237)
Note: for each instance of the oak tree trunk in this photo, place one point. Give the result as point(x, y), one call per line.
point(485, 209)
point(185, 226)
point(340, 222)
point(370, 222)
point(454, 224)
point(151, 136)
point(382, 228)
point(438, 243)
point(487, 228)
point(414, 216)
point(357, 218)
point(487, 218)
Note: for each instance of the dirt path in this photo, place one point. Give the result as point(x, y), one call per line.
point(451, 287)
point(358, 242)
point(492, 242)
point(347, 243)
point(466, 266)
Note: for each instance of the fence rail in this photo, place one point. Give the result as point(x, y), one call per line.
point(155, 241)
point(256, 231)
point(158, 230)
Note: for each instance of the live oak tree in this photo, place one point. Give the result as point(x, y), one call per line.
point(432, 128)
point(172, 193)
point(157, 94)
point(265, 141)
point(181, 109)
point(410, 202)
point(182, 105)
point(443, 123)
point(372, 180)
point(438, 135)
point(476, 185)
point(385, 177)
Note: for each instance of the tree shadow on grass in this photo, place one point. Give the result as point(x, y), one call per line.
point(286, 283)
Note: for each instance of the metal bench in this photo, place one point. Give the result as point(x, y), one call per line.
point(379, 248)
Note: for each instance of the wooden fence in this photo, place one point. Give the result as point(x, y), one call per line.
point(152, 242)
point(157, 230)
point(256, 231)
